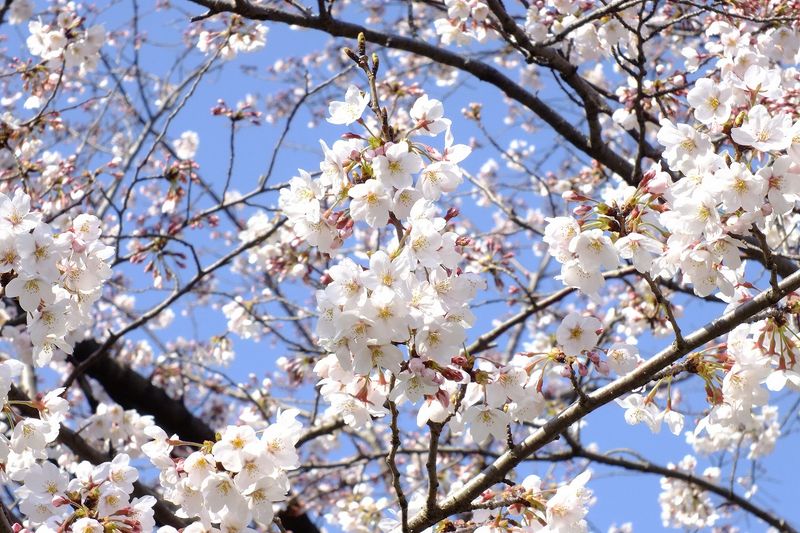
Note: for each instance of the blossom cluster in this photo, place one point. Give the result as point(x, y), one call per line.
point(683, 504)
point(719, 186)
point(394, 268)
point(730, 180)
point(759, 357)
point(590, 41)
point(95, 499)
point(232, 481)
point(466, 21)
point(55, 277)
point(239, 37)
point(562, 510)
point(616, 229)
point(412, 294)
point(66, 40)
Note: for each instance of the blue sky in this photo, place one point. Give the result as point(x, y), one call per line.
point(621, 496)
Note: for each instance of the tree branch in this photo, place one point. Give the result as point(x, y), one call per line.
point(482, 71)
point(499, 469)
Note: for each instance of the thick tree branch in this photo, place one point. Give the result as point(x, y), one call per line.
point(482, 71)
point(163, 511)
point(145, 317)
point(499, 469)
point(646, 466)
point(131, 390)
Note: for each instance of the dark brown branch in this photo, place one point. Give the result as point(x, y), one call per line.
point(646, 466)
point(500, 468)
point(163, 511)
point(482, 71)
point(131, 390)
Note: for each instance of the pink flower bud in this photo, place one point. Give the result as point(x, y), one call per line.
point(59, 501)
point(459, 360)
point(574, 196)
point(658, 184)
point(649, 175)
point(582, 210)
point(416, 366)
point(443, 397)
point(78, 246)
point(452, 374)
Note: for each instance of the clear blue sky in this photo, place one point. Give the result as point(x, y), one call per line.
point(621, 496)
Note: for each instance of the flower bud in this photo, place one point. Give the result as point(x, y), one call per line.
point(459, 360)
point(416, 366)
point(452, 374)
point(582, 210)
point(443, 397)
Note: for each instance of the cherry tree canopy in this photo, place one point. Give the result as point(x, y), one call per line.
point(345, 266)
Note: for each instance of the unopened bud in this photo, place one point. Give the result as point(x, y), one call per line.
point(452, 213)
point(443, 397)
point(739, 120)
point(342, 222)
point(416, 365)
point(452, 374)
point(59, 501)
point(649, 175)
point(659, 183)
point(362, 44)
point(573, 196)
point(581, 210)
point(459, 360)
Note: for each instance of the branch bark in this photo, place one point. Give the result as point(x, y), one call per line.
point(500, 468)
point(484, 72)
point(646, 466)
point(163, 511)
